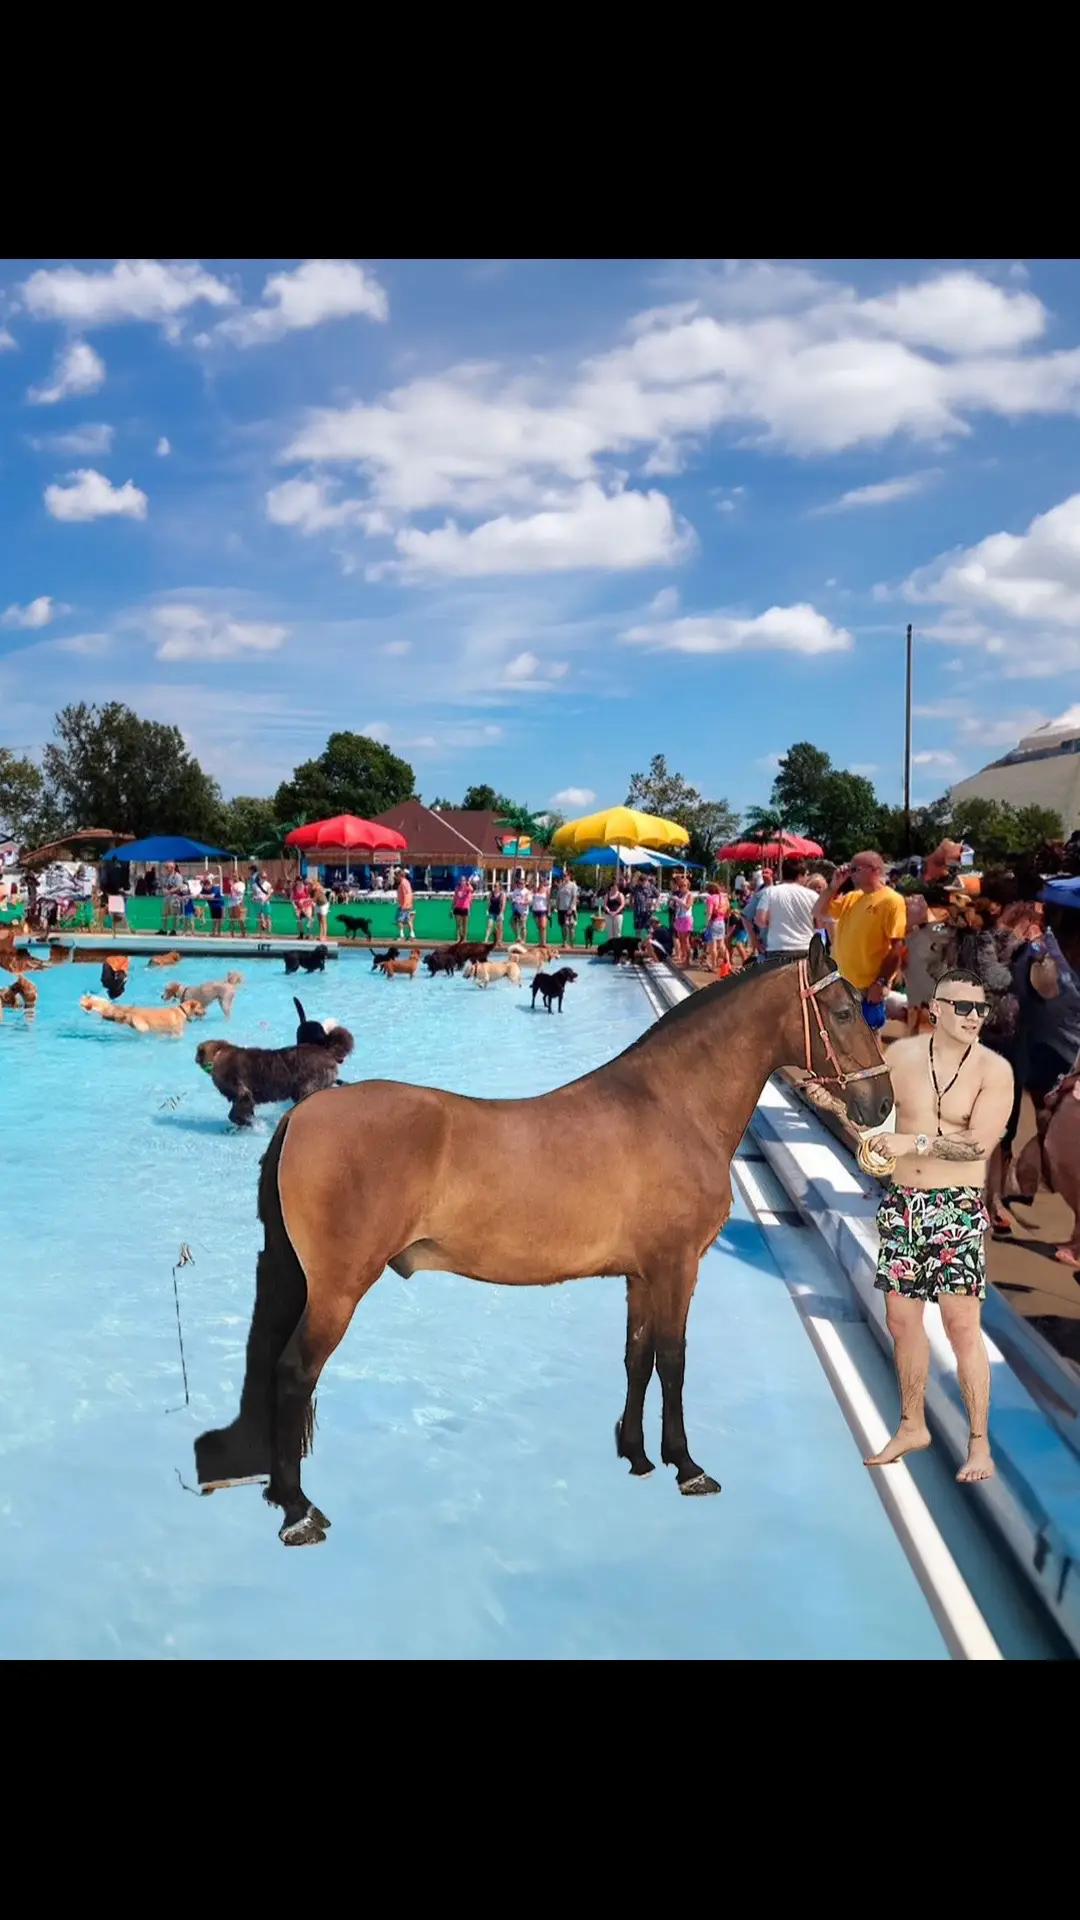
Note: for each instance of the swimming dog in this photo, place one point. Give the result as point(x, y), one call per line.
point(313, 962)
point(249, 1077)
point(223, 991)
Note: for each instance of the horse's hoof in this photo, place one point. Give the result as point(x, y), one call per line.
point(642, 1469)
point(701, 1483)
point(302, 1533)
point(320, 1519)
point(244, 1480)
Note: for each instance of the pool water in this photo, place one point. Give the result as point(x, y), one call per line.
point(465, 1449)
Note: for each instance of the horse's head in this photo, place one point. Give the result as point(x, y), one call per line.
point(840, 1051)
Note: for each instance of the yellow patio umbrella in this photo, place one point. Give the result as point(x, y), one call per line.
point(621, 827)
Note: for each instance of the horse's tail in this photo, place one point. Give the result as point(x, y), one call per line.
point(244, 1450)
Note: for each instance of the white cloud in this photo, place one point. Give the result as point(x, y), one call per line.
point(770, 761)
point(376, 730)
point(666, 601)
point(315, 292)
point(7, 340)
point(91, 497)
point(78, 370)
point(163, 448)
point(882, 492)
point(959, 313)
point(91, 645)
point(396, 649)
point(191, 633)
point(796, 629)
point(571, 797)
point(38, 613)
point(307, 506)
point(1029, 586)
point(591, 529)
point(131, 290)
point(976, 731)
point(933, 759)
point(527, 673)
point(866, 767)
point(94, 437)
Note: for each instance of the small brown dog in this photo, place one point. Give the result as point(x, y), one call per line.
point(408, 967)
point(223, 991)
point(22, 992)
point(164, 960)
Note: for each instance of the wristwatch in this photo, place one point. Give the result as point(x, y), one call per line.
point(922, 1143)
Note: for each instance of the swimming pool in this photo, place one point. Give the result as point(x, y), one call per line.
point(465, 1445)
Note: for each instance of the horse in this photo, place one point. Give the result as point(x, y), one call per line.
point(381, 1174)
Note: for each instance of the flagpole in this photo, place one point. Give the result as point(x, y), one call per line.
point(907, 753)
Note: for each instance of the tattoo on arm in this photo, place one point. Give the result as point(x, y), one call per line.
point(950, 1147)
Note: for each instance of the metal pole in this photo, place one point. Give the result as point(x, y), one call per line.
point(907, 752)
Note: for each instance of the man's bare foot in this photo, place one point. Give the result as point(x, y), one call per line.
point(978, 1465)
point(906, 1439)
point(1067, 1256)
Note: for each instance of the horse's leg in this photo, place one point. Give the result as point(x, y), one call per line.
point(640, 1358)
point(672, 1290)
point(322, 1327)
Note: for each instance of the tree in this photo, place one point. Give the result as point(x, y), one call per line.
point(847, 814)
point(22, 793)
point(762, 823)
point(352, 774)
point(929, 826)
point(1034, 826)
point(799, 785)
point(108, 768)
point(708, 822)
point(442, 801)
point(246, 823)
point(485, 800)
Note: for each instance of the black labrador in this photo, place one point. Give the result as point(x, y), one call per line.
point(313, 962)
point(552, 986)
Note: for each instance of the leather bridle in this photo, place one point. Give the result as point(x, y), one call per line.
point(808, 999)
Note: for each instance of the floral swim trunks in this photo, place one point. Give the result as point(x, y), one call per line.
point(932, 1242)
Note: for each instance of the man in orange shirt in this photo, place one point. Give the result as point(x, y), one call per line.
point(866, 930)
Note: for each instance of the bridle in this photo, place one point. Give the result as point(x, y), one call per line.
point(808, 999)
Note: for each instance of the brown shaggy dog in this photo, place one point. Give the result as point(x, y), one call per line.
point(22, 992)
point(249, 1077)
point(170, 1020)
point(223, 991)
point(408, 967)
point(164, 960)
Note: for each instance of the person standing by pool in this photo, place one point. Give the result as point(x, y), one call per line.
point(261, 891)
point(643, 902)
point(785, 913)
point(520, 902)
point(614, 908)
point(684, 924)
point(953, 1098)
point(301, 900)
point(322, 903)
point(867, 928)
point(540, 902)
point(462, 901)
point(493, 932)
point(716, 908)
point(175, 887)
point(566, 906)
point(406, 905)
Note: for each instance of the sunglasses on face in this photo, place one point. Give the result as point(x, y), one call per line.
point(965, 1007)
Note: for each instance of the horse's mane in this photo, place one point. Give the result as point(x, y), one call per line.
point(700, 1002)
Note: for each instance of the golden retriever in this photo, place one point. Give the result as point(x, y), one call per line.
point(223, 991)
point(408, 967)
point(164, 960)
point(530, 956)
point(485, 971)
point(169, 1020)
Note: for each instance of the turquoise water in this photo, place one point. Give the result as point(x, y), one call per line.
point(465, 1448)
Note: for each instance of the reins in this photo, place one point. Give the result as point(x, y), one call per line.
point(808, 998)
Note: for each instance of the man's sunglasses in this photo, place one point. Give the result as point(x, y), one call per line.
point(965, 1007)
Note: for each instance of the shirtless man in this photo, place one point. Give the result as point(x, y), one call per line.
point(953, 1101)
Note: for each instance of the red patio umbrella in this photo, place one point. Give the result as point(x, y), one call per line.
point(346, 834)
point(793, 844)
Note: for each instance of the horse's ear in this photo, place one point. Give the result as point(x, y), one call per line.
point(820, 964)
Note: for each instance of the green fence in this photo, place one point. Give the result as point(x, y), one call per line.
point(434, 920)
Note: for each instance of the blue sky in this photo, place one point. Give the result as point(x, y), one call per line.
point(534, 521)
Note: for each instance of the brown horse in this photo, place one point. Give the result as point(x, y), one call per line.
point(379, 1175)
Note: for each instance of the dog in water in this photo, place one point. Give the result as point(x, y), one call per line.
point(552, 986)
point(355, 923)
point(530, 956)
point(485, 971)
point(446, 960)
point(407, 967)
point(377, 959)
point(313, 962)
point(223, 991)
point(169, 1020)
point(250, 1077)
point(21, 993)
point(622, 948)
point(312, 1033)
point(164, 960)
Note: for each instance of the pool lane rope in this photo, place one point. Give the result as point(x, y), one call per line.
point(185, 1259)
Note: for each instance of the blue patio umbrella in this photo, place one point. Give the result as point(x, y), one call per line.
point(166, 846)
point(1062, 893)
